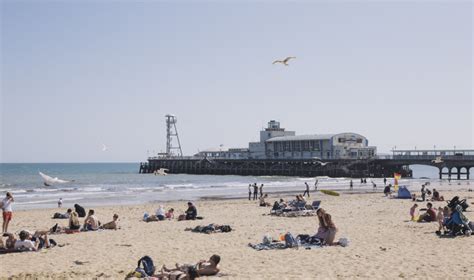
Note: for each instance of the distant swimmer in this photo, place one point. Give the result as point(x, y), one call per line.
point(284, 61)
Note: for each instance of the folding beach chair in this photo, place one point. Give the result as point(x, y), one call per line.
point(314, 205)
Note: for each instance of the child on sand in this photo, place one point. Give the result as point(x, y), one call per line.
point(440, 218)
point(412, 212)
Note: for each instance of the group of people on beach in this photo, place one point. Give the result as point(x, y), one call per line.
point(161, 214)
point(256, 190)
point(28, 241)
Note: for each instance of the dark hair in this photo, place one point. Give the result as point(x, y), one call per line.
point(429, 204)
point(69, 210)
point(91, 212)
point(216, 259)
point(23, 235)
point(190, 203)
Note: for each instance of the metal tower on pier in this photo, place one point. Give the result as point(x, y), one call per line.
point(172, 131)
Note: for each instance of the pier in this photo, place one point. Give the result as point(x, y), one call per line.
point(452, 164)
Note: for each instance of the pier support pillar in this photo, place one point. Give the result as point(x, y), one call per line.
point(459, 173)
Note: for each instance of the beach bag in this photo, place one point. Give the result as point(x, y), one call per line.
point(81, 212)
point(226, 228)
point(290, 241)
point(147, 264)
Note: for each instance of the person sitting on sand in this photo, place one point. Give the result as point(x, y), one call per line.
point(191, 212)
point(436, 196)
point(91, 222)
point(160, 213)
point(387, 190)
point(413, 211)
point(186, 271)
point(170, 214)
point(327, 229)
point(429, 216)
point(112, 224)
point(10, 241)
point(263, 203)
point(63, 216)
point(74, 223)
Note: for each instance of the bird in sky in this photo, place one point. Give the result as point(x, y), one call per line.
point(322, 163)
point(284, 61)
point(437, 160)
point(104, 148)
point(48, 180)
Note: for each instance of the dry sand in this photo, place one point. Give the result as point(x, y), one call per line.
point(383, 243)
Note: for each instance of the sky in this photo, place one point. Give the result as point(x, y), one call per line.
point(79, 74)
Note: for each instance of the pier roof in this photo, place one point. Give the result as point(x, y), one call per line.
point(301, 137)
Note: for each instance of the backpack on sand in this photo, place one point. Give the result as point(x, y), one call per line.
point(147, 264)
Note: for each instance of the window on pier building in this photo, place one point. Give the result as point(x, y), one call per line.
point(286, 146)
point(305, 145)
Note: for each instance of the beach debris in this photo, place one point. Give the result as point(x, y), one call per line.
point(284, 61)
point(81, 262)
point(48, 180)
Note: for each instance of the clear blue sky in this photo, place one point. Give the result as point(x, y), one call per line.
point(76, 75)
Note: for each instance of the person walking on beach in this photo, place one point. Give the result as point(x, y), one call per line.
point(255, 191)
point(7, 210)
point(60, 202)
point(261, 190)
point(316, 185)
point(250, 191)
point(307, 189)
point(351, 185)
point(374, 186)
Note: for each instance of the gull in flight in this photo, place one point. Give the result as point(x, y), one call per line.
point(322, 163)
point(284, 61)
point(48, 180)
point(104, 148)
point(161, 171)
point(437, 160)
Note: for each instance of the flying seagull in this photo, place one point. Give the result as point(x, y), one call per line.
point(104, 148)
point(48, 180)
point(284, 61)
point(322, 163)
point(437, 160)
point(161, 171)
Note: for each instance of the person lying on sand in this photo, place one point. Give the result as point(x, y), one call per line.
point(91, 222)
point(189, 272)
point(112, 224)
point(29, 242)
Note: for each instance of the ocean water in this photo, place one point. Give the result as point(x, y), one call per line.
point(119, 183)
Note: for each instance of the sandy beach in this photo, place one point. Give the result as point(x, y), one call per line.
point(383, 242)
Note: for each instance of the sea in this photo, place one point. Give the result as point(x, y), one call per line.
point(102, 184)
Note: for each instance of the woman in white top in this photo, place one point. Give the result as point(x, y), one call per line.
point(7, 211)
point(160, 213)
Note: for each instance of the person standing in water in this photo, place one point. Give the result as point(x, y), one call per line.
point(60, 202)
point(316, 185)
point(261, 190)
point(250, 191)
point(351, 185)
point(384, 181)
